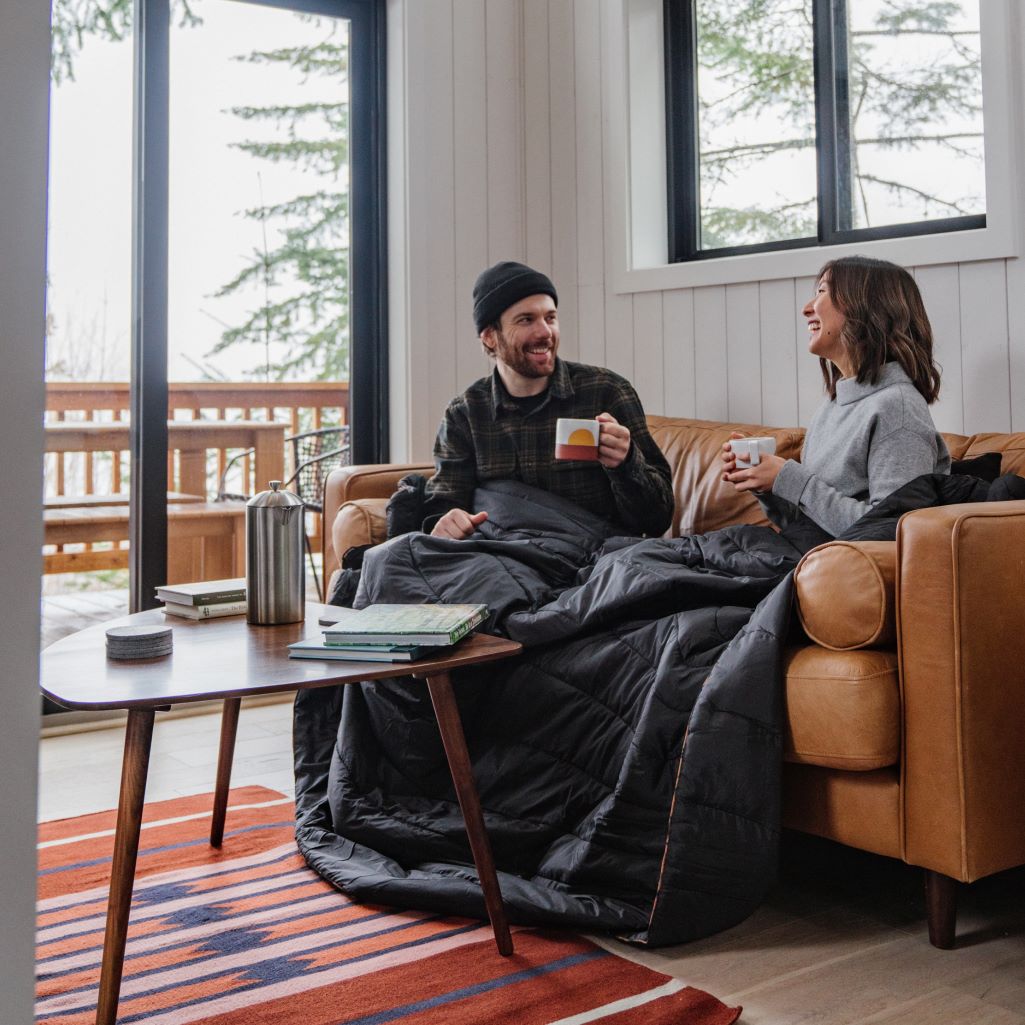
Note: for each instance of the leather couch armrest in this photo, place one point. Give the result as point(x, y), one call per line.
point(349, 483)
point(845, 594)
point(961, 643)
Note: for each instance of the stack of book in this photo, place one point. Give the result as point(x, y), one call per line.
point(390, 633)
point(208, 599)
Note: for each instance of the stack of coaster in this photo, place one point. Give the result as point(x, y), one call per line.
point(139, 641)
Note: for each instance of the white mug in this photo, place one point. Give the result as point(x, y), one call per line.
point(749, 451)
point(576, 439)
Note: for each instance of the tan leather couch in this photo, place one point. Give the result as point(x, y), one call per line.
point(906, 699)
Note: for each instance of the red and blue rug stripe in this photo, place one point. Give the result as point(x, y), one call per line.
point(248, 934)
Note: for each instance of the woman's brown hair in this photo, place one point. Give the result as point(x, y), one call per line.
point(885, 321)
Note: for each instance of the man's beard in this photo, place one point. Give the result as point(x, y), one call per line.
point(516, 359)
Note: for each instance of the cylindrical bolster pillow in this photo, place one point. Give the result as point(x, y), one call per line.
point(361, 522)
point(846, 594)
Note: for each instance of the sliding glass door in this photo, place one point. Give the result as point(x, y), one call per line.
point(240, 205)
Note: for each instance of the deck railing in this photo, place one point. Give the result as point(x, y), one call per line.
point(95, 476)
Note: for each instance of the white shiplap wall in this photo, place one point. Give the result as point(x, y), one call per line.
point(499, 126)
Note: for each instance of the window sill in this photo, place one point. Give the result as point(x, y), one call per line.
point(989, 243)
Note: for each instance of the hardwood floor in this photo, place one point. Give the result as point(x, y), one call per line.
point(841, 940)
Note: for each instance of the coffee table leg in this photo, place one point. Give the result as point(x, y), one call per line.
point(451, 727)
point(229, 727)
point(134, 769)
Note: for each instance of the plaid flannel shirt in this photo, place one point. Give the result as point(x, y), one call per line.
point(485, 436)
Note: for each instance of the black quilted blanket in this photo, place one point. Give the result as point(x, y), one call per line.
point(627, 763)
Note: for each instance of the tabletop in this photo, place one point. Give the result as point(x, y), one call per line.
point(221, 658)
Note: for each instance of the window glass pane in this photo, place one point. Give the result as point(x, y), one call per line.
point(915, 111)
point(88, 319)
point(756, 108)
point(259, 193)
point(258, 258)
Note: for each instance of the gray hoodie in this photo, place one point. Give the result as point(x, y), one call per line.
point(859, 448)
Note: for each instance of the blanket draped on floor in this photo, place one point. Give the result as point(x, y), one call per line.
point(628, 762)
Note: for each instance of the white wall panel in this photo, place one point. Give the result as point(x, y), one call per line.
point(470, 195)
point(678, 352)
point(561, 119)
point(537, 134)
point(505, 128)
point(710, 367)
point(940, 288)
point(810, 389)
point(646, 343)
point(409, 228)
point(620, 339)
point(590, 332)
point(777, 312)
point(457, 180)
point(985, 358)
point(518, 99)
point(743, 353)
point(438, 166)
point(1016, 324)
point(589, 183)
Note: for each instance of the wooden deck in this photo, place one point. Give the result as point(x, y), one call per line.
point(63, 614)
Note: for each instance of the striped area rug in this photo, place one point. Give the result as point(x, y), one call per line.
point(249, 934)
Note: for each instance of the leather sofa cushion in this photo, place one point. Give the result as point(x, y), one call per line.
point(957, 444)
point(842, 708)
point(702, 502)
point(846, 594)
point(361, 522)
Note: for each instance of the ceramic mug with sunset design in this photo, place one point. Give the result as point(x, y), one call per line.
point(576, 439)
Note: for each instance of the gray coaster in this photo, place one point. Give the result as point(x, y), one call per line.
point(130, 642)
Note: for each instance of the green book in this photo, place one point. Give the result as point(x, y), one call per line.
point(402, 624)
point(361, 653)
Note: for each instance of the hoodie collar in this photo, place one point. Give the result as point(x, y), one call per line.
point(848, 389)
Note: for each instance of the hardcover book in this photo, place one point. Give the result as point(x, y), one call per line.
point(402, 624)
point(224, 608)
point(361, 653)
point(206, 592)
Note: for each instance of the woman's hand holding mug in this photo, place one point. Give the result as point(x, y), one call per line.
point(750, 464)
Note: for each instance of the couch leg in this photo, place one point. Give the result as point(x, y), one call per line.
point(941, 908)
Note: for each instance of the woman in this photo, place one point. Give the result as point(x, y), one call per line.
point(868, 326)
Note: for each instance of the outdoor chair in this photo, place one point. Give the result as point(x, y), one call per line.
point(314, 454)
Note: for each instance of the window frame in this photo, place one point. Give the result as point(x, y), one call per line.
point(683, 157)
point(368, 376)
point(634, 147)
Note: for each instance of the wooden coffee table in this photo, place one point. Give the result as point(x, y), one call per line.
point(227, 659)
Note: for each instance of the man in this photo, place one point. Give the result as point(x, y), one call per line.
point(503, 426)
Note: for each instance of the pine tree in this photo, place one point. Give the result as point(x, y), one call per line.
point(303, 282)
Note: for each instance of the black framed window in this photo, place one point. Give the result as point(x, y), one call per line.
point(795, 123)
point(367, 268)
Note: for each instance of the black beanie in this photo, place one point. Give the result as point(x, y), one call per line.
point(502, 286)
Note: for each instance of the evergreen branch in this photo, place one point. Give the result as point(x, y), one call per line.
point(911, 190)
point(767, 148)
point(948, 33)
point(322, 155)
point(294, 113)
